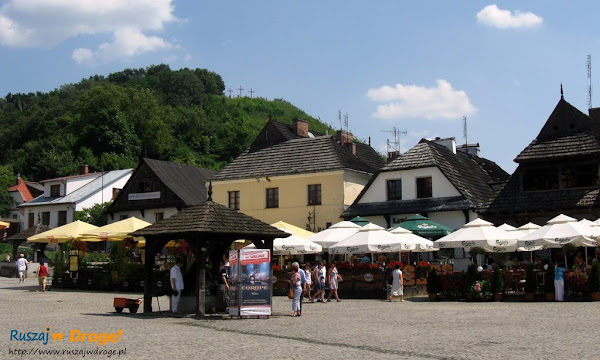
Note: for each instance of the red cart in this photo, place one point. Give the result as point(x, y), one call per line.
point(132, 304)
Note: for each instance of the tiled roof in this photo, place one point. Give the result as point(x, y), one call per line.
point(94, 174)
point(186, 181)
point(470, 175)
point(567, 133)
point(212, 220)
point(407, 206)
point(23, 190)
point(300, 156)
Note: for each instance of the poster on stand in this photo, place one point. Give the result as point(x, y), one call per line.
point(255, 282)
point(234, 282)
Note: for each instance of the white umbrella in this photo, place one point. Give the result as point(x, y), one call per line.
point(293, 245)
point(335, 233)
point(523, 231)
point(413, 243)
point(370, 238)
point(478, 233)
point(507, 227)
point(563, 230)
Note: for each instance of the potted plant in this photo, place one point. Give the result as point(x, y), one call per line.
point(481, 290)
point(594, 282)
point(530, 283)
point(434, 284)
point(497, 283)
point(549, 282)
point(469, 279)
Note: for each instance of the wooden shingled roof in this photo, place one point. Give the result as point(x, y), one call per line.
point(34, 230)
point(472, 176)
point(567, 133)
point(299, 156)
point(186, 181)
point(211, 220)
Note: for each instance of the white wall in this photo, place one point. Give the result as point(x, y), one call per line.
point(149, 214)
point(441, 186)
point(354, 183)
point(102, 196)
point(53, 209)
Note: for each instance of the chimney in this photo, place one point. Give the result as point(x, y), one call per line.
point(392, 155)
point(450, 143)
point(84, 169)
point(345, 137)
point(18, 179)
point(471, 149)
point(300, 127)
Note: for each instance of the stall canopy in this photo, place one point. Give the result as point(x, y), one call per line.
point(479, 233)
point(116, 231)
point(292, 229)
point(293, 245)
point(334, 234)
point(4, 225)
point(422, 226)
point(62, 234)
point(360, 221)
point(563, 230)
point(419, 244)
point(370, 238)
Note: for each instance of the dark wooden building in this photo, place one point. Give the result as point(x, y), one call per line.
point(557, 172)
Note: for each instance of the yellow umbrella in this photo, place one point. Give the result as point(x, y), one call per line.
point(292, 229)
point(117, 231)
point(173, 244)
point(4, 225)
point(62, 234)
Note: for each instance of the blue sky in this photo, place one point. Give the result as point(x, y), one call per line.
point(417, 66)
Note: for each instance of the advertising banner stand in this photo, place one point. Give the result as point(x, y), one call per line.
point(250, 289)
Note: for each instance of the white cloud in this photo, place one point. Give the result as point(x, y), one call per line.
point(46, 23)
point(412, 101)
point(493, 16)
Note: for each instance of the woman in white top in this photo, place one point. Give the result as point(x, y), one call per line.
point(333, 277)
point(308, 282)
point(397, 284)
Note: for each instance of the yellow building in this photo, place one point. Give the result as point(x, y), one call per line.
point(292, 175)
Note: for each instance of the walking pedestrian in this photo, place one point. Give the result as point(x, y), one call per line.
point(22, 267)
point(41, 275)
point(308, 282)
point(296, 284)
point(333, 277)
point(397, 283)
point(319, 276)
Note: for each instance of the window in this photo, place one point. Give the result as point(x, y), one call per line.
point(115, 193)
point(394, 189)
point(144, 186)
point(30, 219)
point(55, 190)
point(62, 218)
point(584, 175)
point(314, 194)
point(46, 218)
point(424, 189)
point(234, 200)
point(123, 217)
point(273, 197)
point(158, 216)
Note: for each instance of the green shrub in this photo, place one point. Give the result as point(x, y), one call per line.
point(497, 281)
point(594, 278)
point(470, 277)
point(549, 279)
point(530, 282)
point(434, 283)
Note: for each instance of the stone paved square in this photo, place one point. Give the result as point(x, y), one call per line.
point(351, 329)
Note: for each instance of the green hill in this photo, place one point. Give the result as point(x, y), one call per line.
point(110, 122)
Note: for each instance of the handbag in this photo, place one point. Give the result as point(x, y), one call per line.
point(291, 293)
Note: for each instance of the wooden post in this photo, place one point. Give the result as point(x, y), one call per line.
point(148, 270)
point(200, 278)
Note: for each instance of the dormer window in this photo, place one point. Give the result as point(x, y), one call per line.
point(55, 190)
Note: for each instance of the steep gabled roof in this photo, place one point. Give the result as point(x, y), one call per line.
point(23, 188)
point(186, 181)
point(567, 133)
point(300, 156)
point(470, 175)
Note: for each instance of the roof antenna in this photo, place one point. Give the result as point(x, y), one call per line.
point(561, 92)
point(209, 191)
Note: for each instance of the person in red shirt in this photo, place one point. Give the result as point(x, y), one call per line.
point(42, 274)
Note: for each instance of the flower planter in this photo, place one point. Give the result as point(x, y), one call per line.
point(595, 296)
point(432, 296)
point(529, 297)
point(550, 296)
point(498, 296)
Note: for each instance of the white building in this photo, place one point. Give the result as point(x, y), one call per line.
point(66, 195)
point(434, 179)
point(22, 192)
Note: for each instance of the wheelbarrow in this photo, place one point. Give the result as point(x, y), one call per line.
point(132, 304)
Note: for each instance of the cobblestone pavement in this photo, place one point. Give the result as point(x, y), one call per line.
point(351, 329)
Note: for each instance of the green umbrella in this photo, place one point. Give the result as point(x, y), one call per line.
point(422, 226)
point(360, 221)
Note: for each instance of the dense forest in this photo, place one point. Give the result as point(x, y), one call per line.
point(110, 122)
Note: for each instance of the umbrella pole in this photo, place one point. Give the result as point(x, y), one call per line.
point(565, 254)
